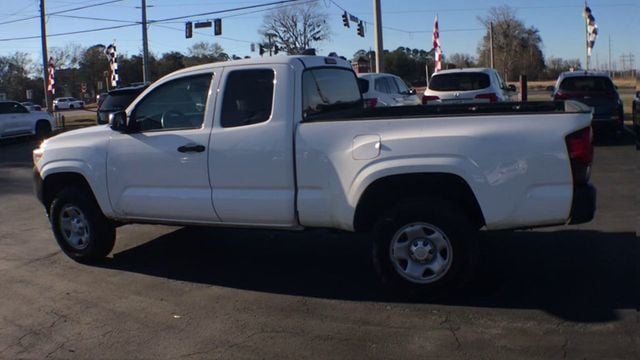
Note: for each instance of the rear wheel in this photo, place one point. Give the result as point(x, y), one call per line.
point(80, 228)
point(424, 247)
point(43, 129)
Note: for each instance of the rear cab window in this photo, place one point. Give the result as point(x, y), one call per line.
point(460, 81)
point(330, 93)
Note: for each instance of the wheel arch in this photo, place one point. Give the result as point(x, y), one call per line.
point(382, 194)
point(53, 183)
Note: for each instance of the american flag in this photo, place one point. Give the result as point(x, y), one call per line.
point(112, 55)
point(52, 79)
point(436, 45)
point(592, 28)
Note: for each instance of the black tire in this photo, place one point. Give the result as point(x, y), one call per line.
point(98, 234)
point(436, 219)
point(43, 129)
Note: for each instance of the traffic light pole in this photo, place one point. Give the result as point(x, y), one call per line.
point(377, 24)
point(45, 64)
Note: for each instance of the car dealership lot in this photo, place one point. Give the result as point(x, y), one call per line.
point(170, 292)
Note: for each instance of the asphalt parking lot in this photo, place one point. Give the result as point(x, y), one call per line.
point(564, 292)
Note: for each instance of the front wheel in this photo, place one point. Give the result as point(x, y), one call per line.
point(80, 228)
point(424, 247)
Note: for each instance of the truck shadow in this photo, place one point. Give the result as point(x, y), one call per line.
point(578, 275)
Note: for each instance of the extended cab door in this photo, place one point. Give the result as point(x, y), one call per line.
point(251, 162)
point(159, 170)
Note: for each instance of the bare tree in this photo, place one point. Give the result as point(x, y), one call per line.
point(295, 28)
point(204, 53)
point(461, 60)
point(517, 48)
point(68, 56)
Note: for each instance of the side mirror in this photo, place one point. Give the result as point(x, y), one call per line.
point(118, 121)
point(550, 88)
point(412, 91)
point(638, 94)
point(512, 88)
point(363, 85)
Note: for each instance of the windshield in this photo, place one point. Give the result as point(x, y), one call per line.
point(329, 92)
point(118, 101)
point(463, 81)
point(587, 83)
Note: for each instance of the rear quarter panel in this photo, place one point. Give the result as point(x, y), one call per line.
point(516, 165)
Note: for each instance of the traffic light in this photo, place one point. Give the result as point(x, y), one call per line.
point(275, 49)
point(261, 49)
point(188, 30)
point(217, 27)
point(361, 29)
point(345, 19)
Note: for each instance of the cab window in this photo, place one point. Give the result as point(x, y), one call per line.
point(177, 104)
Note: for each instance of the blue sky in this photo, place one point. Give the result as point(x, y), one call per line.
point(407, 23)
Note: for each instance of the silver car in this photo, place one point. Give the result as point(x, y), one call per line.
point(472, 85)
point(386, 90)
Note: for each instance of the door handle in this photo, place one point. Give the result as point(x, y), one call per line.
point(191, 148)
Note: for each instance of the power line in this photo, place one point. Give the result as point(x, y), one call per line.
point(137, 23)
point(98, 19)
point(225, 11)
point(61, 11)
point(70, 33)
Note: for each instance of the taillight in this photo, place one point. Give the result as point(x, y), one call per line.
point(580, 149)
point(492, 97)
point(560, 96)
point(370, 103)
point(427, 98)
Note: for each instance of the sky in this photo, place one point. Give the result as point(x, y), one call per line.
point(405, 23)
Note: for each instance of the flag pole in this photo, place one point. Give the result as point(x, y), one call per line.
point(586, 33)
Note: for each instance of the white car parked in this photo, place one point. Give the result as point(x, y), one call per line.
point(387, 90)
point(16, 120)
point(473, 85)
point(31, 106)
point(67, 103)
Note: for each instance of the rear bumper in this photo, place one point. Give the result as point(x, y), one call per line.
point(583, 207)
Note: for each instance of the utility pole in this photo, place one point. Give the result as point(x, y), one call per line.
point(610, 73)
point(491, 43)
point(145, 44)
point(270, 36)
point(45, 63)
point(377, 24)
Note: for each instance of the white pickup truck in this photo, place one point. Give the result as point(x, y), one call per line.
point(284, 143)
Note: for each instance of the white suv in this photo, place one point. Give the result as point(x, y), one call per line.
point(67, 103)
point(458, 86)
point(16, 120)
